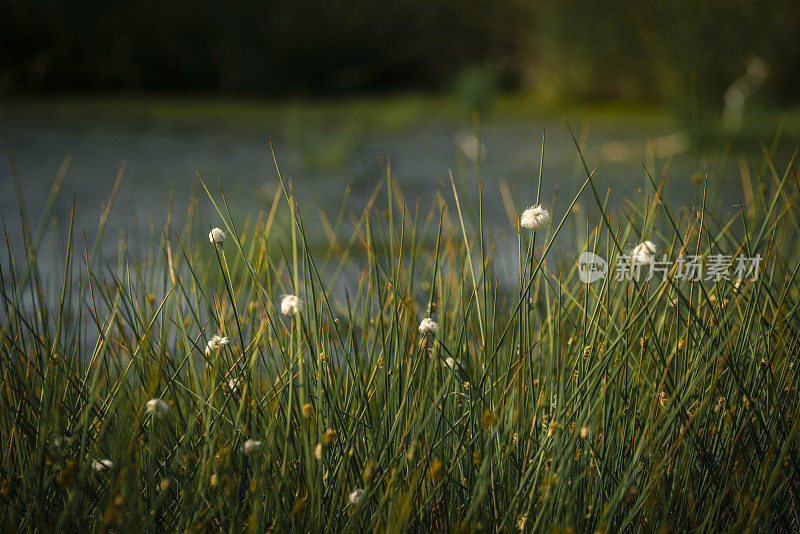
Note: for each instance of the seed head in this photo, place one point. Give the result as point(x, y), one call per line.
point(329, 436)
point(234, 384)
point(251, 446)
point(102, 465)
point(454, 366)
point(62, 441)
point(535, 218)
point(290, 305)
point(428, 326)
point(488, 419)
point(435, 472)
point(552, 428)
point(216, 236)
point(643, 252)
point(158, 407)
point(216, 342)
point(355, 496)
point(369, 467)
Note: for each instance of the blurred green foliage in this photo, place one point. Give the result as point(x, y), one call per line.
point(667, 50)
point(569, 50)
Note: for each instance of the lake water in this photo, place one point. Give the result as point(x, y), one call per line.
point(320, 160)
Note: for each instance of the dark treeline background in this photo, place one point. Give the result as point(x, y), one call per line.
point(566, 50)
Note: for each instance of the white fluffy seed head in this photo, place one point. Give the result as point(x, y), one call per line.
point(355, 496)
point(102, 465)
point(62, 441)
point(290, 304)
point(216, 342)
point(216, 236)
point(234, 384)
point(469, 145)
point(453, 365)
point(428, 326)
point(250, 446)
point(157, 407)
point(643, 252)
point(535, 218)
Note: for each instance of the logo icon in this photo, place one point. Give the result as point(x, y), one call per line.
point(591, 267)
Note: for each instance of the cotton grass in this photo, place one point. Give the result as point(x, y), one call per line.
point(535, 218)
point(436, 451)
point(215, 343)
point(643, 252)
point(250, 446)
point(216, 236)
point(157, 408)
point(290, 305)
point(102, 465)
point(355, 496)
point(428, 326)
point(234, 385)
point(454, 365)
point(62, 441)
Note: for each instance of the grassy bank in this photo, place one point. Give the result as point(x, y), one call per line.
point(373, 112)
point(622, 405)
point(368, 114)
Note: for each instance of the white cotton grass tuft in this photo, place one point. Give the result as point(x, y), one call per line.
point(102, 465)
point(158, 407)
point(62, 441)
point(428, 326)
point(290, 304)
point(216, 236)
point(469, 145)
point(355, 496)
point(535, 218)
point(216, 342)
point(251, 446)
point(454, 365)
point(643, 252)
point(234, 384)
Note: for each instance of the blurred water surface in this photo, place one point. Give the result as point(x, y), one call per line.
point(322, 157)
